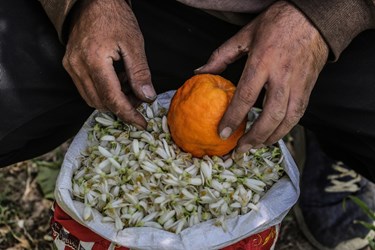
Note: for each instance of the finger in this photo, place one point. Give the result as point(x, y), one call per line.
point(227, 53)
point(274, 111)
point(90, 89)
point(134, 101)
point(126, 89)
point(138, 73)
point(109, 88)
point(297, 105)
point(296, 108)
point(77, 83)
point(251, 82)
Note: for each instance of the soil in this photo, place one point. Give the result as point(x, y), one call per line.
point(25, 212)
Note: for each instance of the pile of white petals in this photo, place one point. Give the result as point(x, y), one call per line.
point(142, 179)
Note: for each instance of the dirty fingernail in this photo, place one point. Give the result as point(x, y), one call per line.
point(139, 127)
point(225, 133)
point(244, 148)
point(198, 69)
point(149, 92)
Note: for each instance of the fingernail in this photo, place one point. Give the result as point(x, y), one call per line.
point(244, 148)
point(138, 126)
point(149, 92)
point(259, 146)
point(198, 69)
point(225, 133)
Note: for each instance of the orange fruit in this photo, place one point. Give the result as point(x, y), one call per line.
point(195, 112)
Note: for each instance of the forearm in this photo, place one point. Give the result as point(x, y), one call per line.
point(57, 11)
point(339, 21)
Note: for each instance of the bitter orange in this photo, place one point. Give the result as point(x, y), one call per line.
point(195, 113)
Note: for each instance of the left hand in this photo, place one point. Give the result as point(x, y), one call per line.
point(285, 56)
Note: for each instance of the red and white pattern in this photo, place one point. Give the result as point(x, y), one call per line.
point(70, 235)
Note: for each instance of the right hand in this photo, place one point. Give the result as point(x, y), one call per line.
point(104, 31)
point(285, 55)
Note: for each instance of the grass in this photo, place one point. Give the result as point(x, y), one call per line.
point(370, 214)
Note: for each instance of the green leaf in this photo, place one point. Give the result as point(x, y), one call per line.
point(46, 178)
point(372, 244)
point(366, 224)
point(363, 206)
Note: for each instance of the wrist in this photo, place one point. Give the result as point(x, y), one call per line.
point(302, 29)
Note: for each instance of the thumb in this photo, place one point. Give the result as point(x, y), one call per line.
point(227, 53)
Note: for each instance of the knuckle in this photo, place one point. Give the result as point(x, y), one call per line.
point(300, 108)
point(95, 54)
point(108, 99)
point(259, 62)
point(290, 122)
point(256, 140)
point(139, 73)
point(73, 62)
point(246, 96)
point(243, 49)
point(280, 94)
point(231, 119)
point(65, 62)
point(88, 55)
point(70, 60)
point(255, 137)
point(92, 58)
point(276, 115)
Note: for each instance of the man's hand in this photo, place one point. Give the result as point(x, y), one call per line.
point(104, 31)
point(285, 56)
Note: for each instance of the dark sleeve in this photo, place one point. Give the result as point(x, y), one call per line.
point(339, 21)
point(57, 11)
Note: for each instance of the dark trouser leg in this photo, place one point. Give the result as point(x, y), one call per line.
point(341, 111)
point(39, 105)
point(342, 115)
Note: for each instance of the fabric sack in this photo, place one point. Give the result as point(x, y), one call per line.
point(256, 227)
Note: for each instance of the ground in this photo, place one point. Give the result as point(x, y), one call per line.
point(25, 202)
